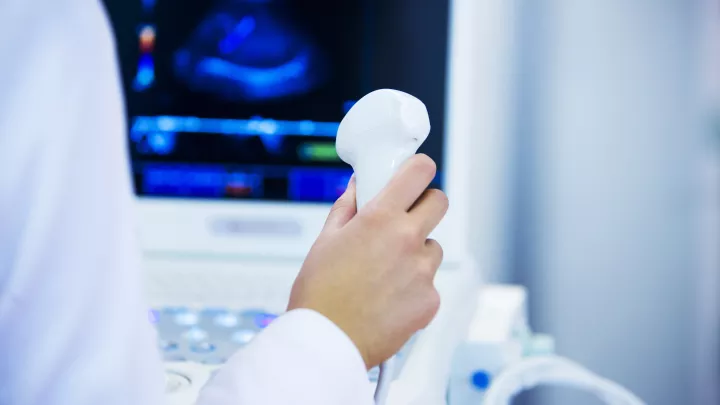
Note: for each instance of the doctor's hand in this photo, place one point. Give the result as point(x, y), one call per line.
point(371, 272)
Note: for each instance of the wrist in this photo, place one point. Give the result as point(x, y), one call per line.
point(348, 332)
point(356, 339)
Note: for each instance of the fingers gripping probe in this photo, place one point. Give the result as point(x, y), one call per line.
point(379, 133)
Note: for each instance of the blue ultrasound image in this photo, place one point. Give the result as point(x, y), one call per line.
point(242, 99)
point(246, 51)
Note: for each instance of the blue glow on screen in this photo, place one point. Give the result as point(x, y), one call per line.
point(185, 180)
point(256, 56)
point(158, 134)
point(348, 105)
point(145, 74)
point(242, 30)
point(259, 82)
point(149, 5)
point(253, 127)
point(162, 143)
point(312, 184)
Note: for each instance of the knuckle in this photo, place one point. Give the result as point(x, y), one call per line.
point(425, 164)
point(409, 233)
point(436, 250)
point(429, 266)
point(432, 303)
point(341, 204)
point(434, 200)
point(383, 212)
point(376, 215)
point(441, 198)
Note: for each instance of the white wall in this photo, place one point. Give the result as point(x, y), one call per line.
point(707, 344)
point(610, 248)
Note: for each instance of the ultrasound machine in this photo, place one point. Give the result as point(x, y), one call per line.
point(233, 107)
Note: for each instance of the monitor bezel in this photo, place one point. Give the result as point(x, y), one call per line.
point(286, 231)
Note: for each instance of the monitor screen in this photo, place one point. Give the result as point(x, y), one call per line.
point(241, 99)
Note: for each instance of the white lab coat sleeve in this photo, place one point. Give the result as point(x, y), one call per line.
point(302, 358)
point(73, 325)
point(73, 322)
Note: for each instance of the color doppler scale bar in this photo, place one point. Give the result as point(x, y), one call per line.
point(145, 75)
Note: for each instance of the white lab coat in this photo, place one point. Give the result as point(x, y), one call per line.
point(73, 325)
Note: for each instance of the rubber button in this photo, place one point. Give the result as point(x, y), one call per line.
point(195, 335)
point(186, 319)
point(203, 347)
point(226, 320)
point(243, 336)
point(167, 345)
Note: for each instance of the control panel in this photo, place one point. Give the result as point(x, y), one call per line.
point(206, 336)
point(194, 342)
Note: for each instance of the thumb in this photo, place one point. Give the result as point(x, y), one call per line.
point(344, 208)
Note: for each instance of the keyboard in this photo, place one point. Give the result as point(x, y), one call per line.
point(209, 336)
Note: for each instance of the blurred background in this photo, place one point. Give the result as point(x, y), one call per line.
point(616, 189)
point(606, 118)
